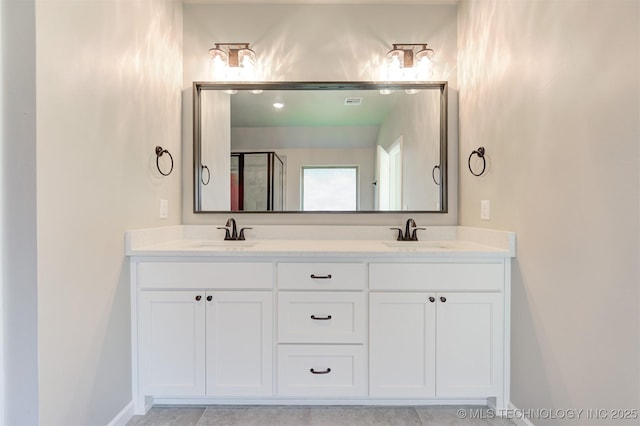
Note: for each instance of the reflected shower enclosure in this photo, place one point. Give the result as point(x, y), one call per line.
point(257, 181)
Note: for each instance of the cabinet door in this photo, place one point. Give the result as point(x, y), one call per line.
point(239, 343)
point(469, 346)
point(402, 345)
point(171, 338)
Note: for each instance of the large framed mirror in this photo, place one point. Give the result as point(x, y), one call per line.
point(320, 147)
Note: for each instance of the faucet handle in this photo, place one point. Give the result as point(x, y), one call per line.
point(227, 235)
point(400, 236)
point(414, 234)
point(241, 236)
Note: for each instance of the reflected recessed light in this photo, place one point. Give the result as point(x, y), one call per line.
point(257, 91)
point(386, 91)
point(231, 91)
point(278, 105)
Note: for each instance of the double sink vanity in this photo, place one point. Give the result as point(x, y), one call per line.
point(320, 315)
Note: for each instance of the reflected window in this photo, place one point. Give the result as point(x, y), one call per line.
point(329, 188)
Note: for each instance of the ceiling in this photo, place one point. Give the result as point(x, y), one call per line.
point(310, 108)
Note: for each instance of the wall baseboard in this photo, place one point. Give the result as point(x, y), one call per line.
point(123, 416)
point(518, 420)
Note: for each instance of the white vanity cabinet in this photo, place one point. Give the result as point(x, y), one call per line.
point(207, 341)
point(267, 325)
point(436, 344)
point(171, 342)
point(322, 327)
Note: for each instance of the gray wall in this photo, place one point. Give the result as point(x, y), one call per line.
point(551, 90)
point(89, 89)
point(19, 258)
point(312, 42)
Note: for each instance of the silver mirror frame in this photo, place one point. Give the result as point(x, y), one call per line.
point(442, 86)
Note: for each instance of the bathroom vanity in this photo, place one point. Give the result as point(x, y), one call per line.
point(321, 320)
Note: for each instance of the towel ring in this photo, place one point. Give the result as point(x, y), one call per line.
point(202, 169)
point(433, 173)
point(480, 153)
point(159, 152)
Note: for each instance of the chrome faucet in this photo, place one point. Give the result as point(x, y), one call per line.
point(232, 235)
point(408, 235)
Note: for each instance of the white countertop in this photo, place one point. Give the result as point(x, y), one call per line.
point(319, 241)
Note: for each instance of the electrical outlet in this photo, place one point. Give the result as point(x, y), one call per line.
point(485, 210)
point(164, 209)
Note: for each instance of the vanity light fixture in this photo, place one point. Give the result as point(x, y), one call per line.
point(409, 61)
point(233, 62)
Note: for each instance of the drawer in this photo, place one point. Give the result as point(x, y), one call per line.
point(322, 371)
point(436, 276)
point(204, 275)
point(321, 317)
point(322, 276)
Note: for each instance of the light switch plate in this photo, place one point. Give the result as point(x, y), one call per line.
point(164, 209)
point(485, 209)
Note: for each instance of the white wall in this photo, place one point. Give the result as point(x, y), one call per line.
point(108, 91)
point(318, 42)
point(551, 89)
point(215, 126)
point(417, 121)
point(19, 262)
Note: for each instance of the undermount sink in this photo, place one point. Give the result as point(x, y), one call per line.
point(416, 245)
point(227, 245)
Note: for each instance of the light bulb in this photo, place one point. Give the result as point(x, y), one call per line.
point(412, 91)
point(386, 91)
point(278, 105)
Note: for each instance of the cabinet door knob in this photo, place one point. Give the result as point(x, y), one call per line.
point(327, 371)
point(443, 299)
point(198, 297)
point(321, 277)
point(209, 298)
point(313, 317)
point(432, 299)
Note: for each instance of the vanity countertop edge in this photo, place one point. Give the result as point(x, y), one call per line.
point(267, 241)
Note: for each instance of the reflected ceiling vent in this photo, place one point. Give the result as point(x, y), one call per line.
point(353, 101)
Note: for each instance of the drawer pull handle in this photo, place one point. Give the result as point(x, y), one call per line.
point(198, 297)
point(432, 299)
point(313, 317)
point(209, 298)
point(321, 277)
point(443, 299)
point(327, 371)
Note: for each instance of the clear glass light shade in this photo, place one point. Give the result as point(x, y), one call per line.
point(394, 65)
point(247, 62)
point(218, 61)
point(423, 64)
point(246, 58)
point(218, 56)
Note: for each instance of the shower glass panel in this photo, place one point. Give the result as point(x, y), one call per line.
point(260, 183)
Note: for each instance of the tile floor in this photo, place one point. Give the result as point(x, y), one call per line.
point(317, 416)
